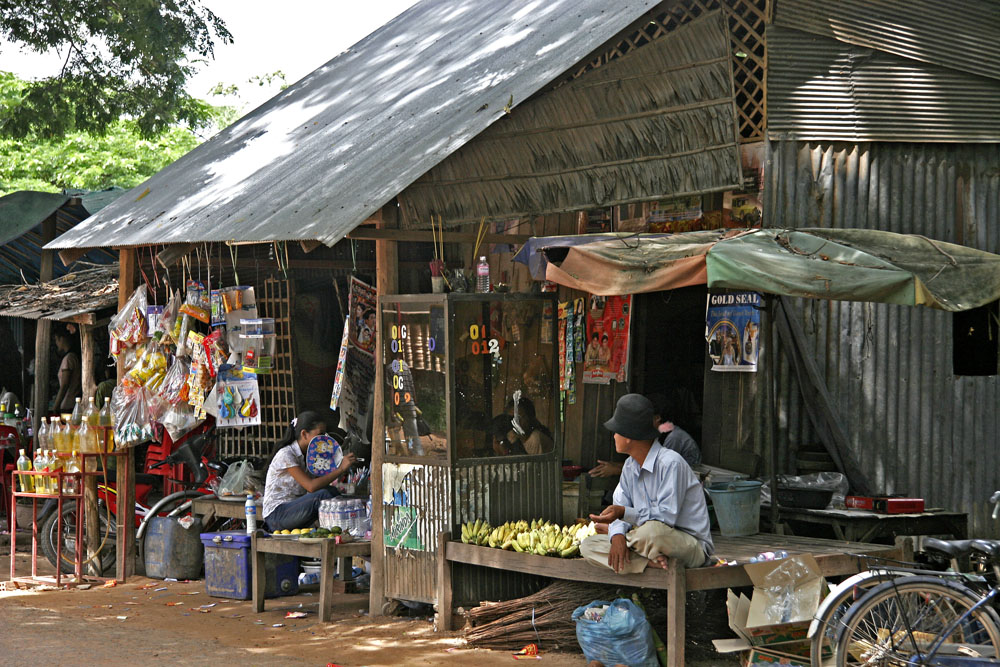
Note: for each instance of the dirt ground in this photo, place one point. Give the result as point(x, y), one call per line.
point(149, 619)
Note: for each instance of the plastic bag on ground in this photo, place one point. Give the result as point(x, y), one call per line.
point(621, 634)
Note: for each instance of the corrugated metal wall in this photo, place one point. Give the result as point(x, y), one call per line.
point(912, 424)
point(823, 89)
point(922, 30)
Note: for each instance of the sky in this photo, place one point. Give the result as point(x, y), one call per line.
point(294, 36)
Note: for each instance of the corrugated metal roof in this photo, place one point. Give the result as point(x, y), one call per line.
point(658, 122)
point(913, 425)
point(958, 34)
point(326, 153)
point(21, 217)
point(822, 89)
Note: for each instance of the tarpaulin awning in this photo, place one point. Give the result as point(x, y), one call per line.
point(839, 264)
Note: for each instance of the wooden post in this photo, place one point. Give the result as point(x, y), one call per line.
point(676, 597)
point(43, 331)
point(87, 363)
point(127, 281)
point(92, 523)
point(387, 282)
point(443, 584)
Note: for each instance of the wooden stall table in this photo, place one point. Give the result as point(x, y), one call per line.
point(866, 526)
point(326, 550)
point(210, 507)
point(835, 558)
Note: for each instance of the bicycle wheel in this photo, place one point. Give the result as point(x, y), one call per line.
point(829, 619)
point(899, 621)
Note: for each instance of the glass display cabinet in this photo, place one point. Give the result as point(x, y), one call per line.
point(472, 430)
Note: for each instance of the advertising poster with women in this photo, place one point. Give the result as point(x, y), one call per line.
point(609, 319)
point(732, 330)
point(355, 379)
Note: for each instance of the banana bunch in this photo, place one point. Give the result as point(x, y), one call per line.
point(476, 532)
point(539, 537)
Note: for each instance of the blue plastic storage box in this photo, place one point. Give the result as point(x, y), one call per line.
point(228, 568)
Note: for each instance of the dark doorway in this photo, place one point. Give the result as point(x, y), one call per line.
point(670, 351)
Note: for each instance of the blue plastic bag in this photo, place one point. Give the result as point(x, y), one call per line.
point(622, 636)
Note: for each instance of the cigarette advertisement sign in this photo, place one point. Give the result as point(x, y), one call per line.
point(733, 331)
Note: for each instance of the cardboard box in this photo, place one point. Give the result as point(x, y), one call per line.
point(767, 618)
point(759, 656)
point(859, 502)
point(898, 505)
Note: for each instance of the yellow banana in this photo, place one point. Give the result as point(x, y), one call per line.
point(570, 551)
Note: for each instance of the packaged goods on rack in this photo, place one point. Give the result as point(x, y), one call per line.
point(168, 321)
point(197, 302)
point(132, 425)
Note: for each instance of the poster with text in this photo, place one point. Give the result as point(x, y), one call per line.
point(355, 379)
point(732, 330)
point(609, 320)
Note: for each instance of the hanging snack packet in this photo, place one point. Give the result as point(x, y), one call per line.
point(216, 351)
point(168, 319)
point(196, 302)
point(128, 326)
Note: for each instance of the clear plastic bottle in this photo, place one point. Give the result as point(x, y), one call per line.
point(41, 483)
point(42, 438)
point(56, 438)
point(77, 416)
point(482, 275)
point(251, 511)
point(55, 465)
point(71, 485)
point(92, 415)
point(27, 483)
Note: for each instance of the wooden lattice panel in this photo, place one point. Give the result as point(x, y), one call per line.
point(746, 33)
point(277, 388)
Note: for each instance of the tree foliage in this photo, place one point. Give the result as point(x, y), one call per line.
point(123, 59)
point(119, 157)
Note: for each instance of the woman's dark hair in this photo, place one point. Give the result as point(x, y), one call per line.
point(71, 339)
point(306, 421)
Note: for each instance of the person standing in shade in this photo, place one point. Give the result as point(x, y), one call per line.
point(659, 508)
point(70, 376)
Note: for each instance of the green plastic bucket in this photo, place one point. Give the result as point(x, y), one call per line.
point(737, 506)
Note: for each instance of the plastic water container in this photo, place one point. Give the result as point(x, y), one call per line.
point(172, 551)
point(737, 506)
point(228, 568)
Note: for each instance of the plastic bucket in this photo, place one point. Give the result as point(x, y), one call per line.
point(737, 506)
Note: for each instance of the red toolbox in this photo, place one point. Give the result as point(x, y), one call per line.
point(885, 504)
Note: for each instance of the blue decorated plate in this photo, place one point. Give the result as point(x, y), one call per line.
point(323, 455)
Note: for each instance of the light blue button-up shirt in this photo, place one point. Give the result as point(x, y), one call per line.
point(664, 489)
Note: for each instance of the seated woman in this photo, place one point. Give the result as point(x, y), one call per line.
point(292, 495)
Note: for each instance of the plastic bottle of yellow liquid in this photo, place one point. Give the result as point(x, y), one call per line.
point(61, 437)
point(41, 483)
point(55, 465)
point(27, 483)
point(71, 485)
point(106, 420)
point(92, 414)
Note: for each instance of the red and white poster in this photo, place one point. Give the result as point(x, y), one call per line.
point(609, 320)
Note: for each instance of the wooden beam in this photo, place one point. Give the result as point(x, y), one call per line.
point(173, 254)
point(128, 269)
point(387, 282)
point(309, 246)
point(43, 330)
point(383, 234)
point(70, 255)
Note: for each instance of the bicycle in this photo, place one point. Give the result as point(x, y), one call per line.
point(934, 619)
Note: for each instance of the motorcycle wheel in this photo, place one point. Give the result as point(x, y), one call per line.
point(49, 528)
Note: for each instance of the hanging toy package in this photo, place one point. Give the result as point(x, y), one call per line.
point(196, 301)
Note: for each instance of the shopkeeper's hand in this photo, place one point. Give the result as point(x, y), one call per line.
point(618, 557)
point(346, 463)
point(610, 513)
point(606, 469)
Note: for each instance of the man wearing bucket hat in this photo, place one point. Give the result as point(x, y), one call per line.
point(659, 508)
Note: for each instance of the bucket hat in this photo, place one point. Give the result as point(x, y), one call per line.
point(633, 418)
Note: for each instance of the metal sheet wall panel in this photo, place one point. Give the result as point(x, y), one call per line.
point(821, 89)
point(913, 425)
point(959, 34)
point(499, 493)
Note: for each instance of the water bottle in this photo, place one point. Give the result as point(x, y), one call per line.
point(483, 275)
point(251, 509)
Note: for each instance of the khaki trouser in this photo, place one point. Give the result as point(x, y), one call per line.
point(645, 543)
